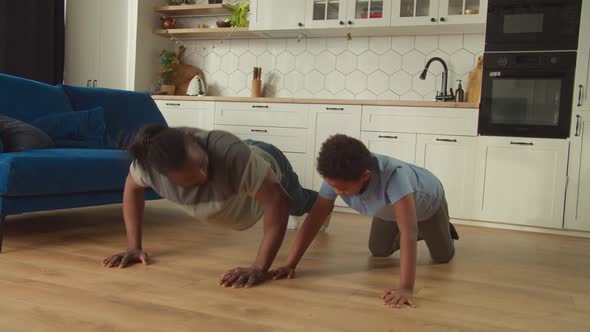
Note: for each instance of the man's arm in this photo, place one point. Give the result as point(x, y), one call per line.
point(133, 207)
point(405, 213)
point(276, 214)
point(312, 225)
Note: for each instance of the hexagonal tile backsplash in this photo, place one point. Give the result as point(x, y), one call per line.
point(383, 68)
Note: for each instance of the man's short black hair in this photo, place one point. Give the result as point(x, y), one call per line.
point(344, 158)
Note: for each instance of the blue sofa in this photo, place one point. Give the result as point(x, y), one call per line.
point(66, 177)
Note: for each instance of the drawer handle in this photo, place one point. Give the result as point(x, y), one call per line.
point(522, 143)
point(446, 140)
point(387, 136)
point(172, 104)
point(259, 130)
point(335, 108)
point(259, 106)
point(580, 89)
point(578, 117)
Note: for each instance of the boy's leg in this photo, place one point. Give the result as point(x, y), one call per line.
point(384, 238)
point(437, 235)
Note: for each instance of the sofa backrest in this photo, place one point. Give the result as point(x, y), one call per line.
point(27, 100)
point(125, 111)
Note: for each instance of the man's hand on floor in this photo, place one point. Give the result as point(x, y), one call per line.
point(283, 272)
point(123, 259)
point(398, 298)
point(243, 277)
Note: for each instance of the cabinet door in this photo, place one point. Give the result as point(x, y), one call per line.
point(277, 15)
point(82, 42)
point(331, 120)
point(396, 145)
point(582, 87)
point(521, 181)
point(113, 47)
point(187, 113)
point(298, 161)
point(414, 12)
point(326, 13)
point(462, 11)
point(369, 13)
point(577, 213)
point(452, 160)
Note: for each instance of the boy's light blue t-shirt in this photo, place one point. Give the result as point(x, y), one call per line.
point(392, 180)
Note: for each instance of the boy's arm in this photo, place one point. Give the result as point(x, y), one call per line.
point(405, 213)
point(312, 225)
point(275, 202)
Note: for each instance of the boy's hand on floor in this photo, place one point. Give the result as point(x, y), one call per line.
point(243, 277)
point(398, 298)
point(283, 272)
point(123, 259)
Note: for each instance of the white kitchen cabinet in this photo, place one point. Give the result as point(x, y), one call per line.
point(577, 212)
point(582, 85)
point(110, 44)
point(188, 113)
point(452, 160)
point(82, 49)
point(291, 140)
point(299, 163)
point(421, 120)
point(443, 12)
point(348, 13)
point(330, 120)
point(401, 146)
point(97, 43)
point(273, 15)
point(521, 181)
point(262, 114)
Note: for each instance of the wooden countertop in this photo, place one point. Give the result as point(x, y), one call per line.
point(323, 101)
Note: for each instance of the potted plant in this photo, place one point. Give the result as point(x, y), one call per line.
point(239, 16)
point(168, 60)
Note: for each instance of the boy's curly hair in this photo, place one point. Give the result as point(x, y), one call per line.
point(343, 158)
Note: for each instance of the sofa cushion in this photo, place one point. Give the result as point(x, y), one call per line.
point(55, 171)
point(27, 100)
point(19, 136)
point(83, 129)
point(125, 111)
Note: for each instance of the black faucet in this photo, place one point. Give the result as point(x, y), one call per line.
point(443, 95)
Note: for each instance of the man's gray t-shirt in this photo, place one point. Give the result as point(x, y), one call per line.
point(391, 180)
point(236, 172)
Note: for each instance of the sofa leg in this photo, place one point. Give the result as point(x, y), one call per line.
point(2, 219)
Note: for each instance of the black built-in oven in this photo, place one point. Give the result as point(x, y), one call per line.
point(527, 94)
point(532, 25)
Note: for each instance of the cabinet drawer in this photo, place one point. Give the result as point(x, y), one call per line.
point(421, 120)
point(266, 115)
point(187, 113)
point(185, 104)
point(401, 146)
point(286, 139)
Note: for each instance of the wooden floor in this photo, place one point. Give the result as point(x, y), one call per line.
point(51, 280)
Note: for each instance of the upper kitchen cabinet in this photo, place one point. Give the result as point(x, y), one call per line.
point(369, 13)
point(348, 13)
point(582, 87)
point(273, 15)
point(326, 13)
point(432, 12)
point(462, 11)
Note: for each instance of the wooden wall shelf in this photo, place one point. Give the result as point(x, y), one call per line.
point(207, 33)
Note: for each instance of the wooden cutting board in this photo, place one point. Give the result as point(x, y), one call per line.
point(474, 83)
point(183, 74)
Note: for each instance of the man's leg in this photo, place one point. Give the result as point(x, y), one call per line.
point(384, 238)
point(436, 232)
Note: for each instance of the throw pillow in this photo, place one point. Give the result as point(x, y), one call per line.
point(19, 136)
point(82, 129)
